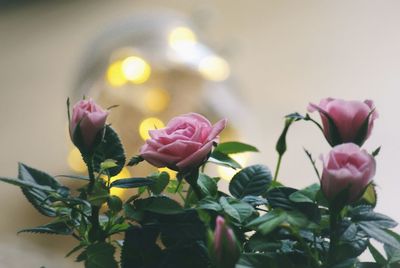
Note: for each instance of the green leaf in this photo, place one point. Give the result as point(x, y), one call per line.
point(39, 198)
point(209, 203)
point(222, 159)
point(161, 181)
point(207, 185)
point(135, 160)
point(268, 222)
point(132, 183)
point(59, 228)
point(376, 254)
point(281, 143)
point(228, 209)
point(255, 201)
point(158, 204)
point(376, 151)
point(363, 214)
point(369, 197)
point(139, 249)
point(234, 147)
point(100, 255)
point(107, 164)
point(110, 148)
point(252, 180)
point(374, 231)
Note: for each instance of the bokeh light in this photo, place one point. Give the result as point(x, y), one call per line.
point(115, 76)
point(136, 70)
point(75, 161)
point(214, 68)
point(227, 173)
point(149, 124)
point(181, 36)
point(156, 100)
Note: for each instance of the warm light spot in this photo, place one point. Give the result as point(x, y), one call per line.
point(214, 68)
point(75, 161)
point(119, 191)
point(149, 124)
point(136, 70)
point(227, 173)
point(115, 76)
point(171, 173)
point(156, 100)
point(181, 36)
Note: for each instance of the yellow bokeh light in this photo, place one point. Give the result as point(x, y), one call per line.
point(149, 124)
point(214, 68)
point(227, 173)
point(75, 161)
point(181, 36)
point(119, 191)
point(136, 70)
point(156, 100)
point(115, 76)
point(171, 173)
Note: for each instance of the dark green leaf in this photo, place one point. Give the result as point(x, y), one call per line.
point(140, 249)
point(161, 181)
point(376, 151)
point(281, 143)
point(209, 203)
point(366, 214)
point(374, 231)
point(158, 204)
point(110, 148)
point(135, 160)
point(132, 183)
point(234, 147)
point(100, 255)
point(223, 160)
point(59, 228)
point(252, 180)
point(207, 185)
point(255, 201)
point(378, 257)
point(269, 221)
point(39, 198)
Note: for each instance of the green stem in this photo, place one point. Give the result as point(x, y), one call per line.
point(278, 166)
point(94, 217)
point(333, 236)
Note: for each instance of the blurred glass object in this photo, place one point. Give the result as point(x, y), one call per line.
point(155, 66)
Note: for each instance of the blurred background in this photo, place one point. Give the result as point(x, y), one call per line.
point(252, 62)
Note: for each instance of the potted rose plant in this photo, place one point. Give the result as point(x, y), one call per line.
point(188, 222)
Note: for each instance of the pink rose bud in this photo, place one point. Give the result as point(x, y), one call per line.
point(347, 168)
point(226, 250)
point(91, 119)
point(183, 144)
point(346, 121)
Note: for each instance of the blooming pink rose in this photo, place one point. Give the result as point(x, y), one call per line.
point(184, 143)
point(90, 118)
point(348, 117)
point(347, 167)
point(226, 251)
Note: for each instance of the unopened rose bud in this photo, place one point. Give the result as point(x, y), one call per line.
point(87, 124)
point(226, 250)
point(346, 121)
point(347, 168)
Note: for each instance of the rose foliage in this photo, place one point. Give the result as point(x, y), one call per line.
point(187, 221)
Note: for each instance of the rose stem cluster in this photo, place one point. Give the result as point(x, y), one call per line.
point(347, 169)
point(87, 126)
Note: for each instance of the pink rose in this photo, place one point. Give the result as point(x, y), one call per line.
point(183, 144)
point(347, 167)
point(352, 120)
point(91, 119)
point(226, 251)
